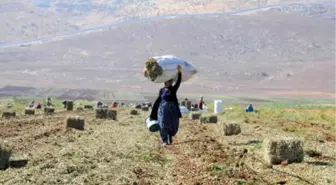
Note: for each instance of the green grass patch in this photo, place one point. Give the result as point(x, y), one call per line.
point(157, 158)
point(217, 170)
point(256, 145)
point(309, 113)
point(240, 182)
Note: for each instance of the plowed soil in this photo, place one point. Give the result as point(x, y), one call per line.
point(125, 152)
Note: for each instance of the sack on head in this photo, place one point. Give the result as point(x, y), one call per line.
point(163, 68)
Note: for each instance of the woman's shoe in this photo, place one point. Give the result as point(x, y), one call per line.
point(164, 144)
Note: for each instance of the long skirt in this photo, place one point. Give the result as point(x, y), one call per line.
point(168, 120)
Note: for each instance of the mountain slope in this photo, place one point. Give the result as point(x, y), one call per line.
point(267, 50)
point(24, 20)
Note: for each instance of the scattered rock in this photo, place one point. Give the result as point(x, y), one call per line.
point(231, 129)
point(112, 114)
point(75, 122)
point(5, 154)
point(29, 111)
point(208, 119)
point(88, 107)
point(8, 114)
point(101, 113)
point(195, 116)
point(134, 112)
point(49, 110)
point(69, 105)
point(105, 113)
point(279, 150)
point(145, 109)
point(80, 109)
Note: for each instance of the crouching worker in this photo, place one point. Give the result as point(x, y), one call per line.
point(166, 110)
point(38, 106)
point(32, 104)
point(99, 104)
point(249, 108)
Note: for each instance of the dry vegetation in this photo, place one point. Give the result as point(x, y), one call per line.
point(125, 152)
point(22, 21)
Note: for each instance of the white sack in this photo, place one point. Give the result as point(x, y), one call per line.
point(184, 110)
point(152, 125)
point(169, 64)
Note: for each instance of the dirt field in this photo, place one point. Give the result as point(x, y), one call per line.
point(125, 152)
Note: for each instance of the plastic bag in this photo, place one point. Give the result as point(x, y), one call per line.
point(152, 125)
point(184, 110)
point(169, 64)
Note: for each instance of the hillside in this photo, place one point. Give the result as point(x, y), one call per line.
point(21, 21)
point(233, 54)
point(25, 20)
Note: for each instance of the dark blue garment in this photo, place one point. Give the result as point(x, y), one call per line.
point(249, 109)
point(166, 94)
point(168, 119)
point(99, 104)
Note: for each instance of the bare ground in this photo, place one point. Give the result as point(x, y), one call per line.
point(24, 20)
point(295, 53)
point(124, 152)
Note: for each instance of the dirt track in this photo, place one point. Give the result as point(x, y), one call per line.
point(124, 152)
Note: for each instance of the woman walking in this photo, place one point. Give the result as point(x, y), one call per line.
point(166, 109)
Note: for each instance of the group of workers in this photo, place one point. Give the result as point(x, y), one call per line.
point(200, 106)
point(38, 105)
point(165, 110)
point(100, 104)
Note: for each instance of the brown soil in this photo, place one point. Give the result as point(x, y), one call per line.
point(124, 152)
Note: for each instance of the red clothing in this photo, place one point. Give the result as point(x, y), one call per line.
point(38, 106)
point(200, 105)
